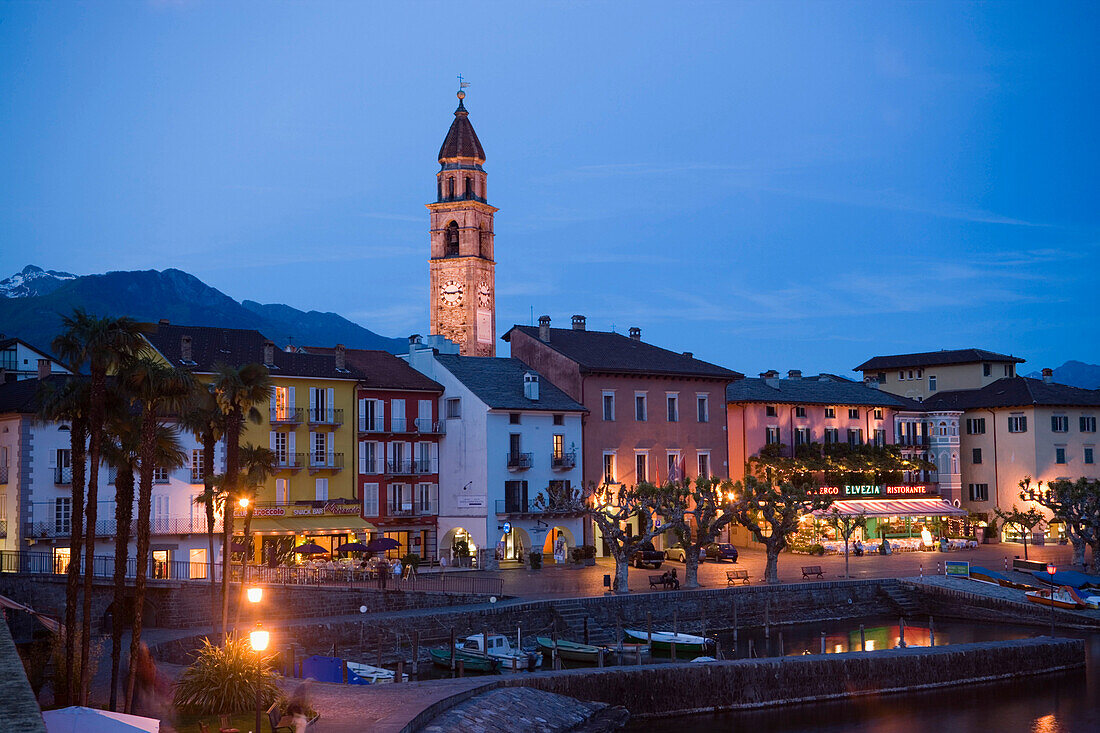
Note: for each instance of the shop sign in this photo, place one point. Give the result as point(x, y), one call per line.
point(330, 508)
point(473, 501)
point(957, 568)
point(863, 491)
point(260, 511)
point(900, 490)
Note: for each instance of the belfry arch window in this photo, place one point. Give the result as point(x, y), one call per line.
point(450, 238)
point(469, 187)
point(483, 242)
point(451, 187)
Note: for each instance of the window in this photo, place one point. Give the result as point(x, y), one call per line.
point(1060, 455)
point(62, 514)
point(197, 563)
point(1088, 454)
point(931, 384)
point(558, 446)
point(920, 372)
point(515, 496)
point(639, 407)
point(609, 468)
point(855, 437)
point(770, 410)
point(1010, 370)
point(674, 472)
point(559, 419)
point(673, 408)
point(910, 373)
point(320, 447)
point(987, 370)
point(368, 457)
point(881, 376)
point(880, 437)
point(771, 435)
point(282, 491)
point(878, 413)
point(279, 447)
point(160, 475)
point(801, 436)
point(853, 413)
point(800, 412)
point(640, 464)
point(1088, 424)
point(424, 498)
point(370, 500)
point(454, 408)
point(901, 376)
point(702, 408)
point(704, 464)
point(450, 234)
point(282, 404)
point(976, 456)
point(197, 473)
point(513, 418)
point(832, 435)
point(975, 426)
point(979, 492)
point(830, 412)
point(609, 406)
point(1017, 424)
point(1059, 424)
point(321, 487)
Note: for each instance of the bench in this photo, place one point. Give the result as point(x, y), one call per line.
point(737, 576)
point(812, 570)
point(283, 722)
point(664, 582)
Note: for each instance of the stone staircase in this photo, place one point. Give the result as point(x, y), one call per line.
point(904, 600)
point(572, 616)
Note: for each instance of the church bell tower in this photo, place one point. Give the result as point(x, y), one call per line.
point(463, 291)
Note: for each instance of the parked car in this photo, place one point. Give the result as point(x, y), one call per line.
point(647, 556)
point(719, 551)
point(675, 553)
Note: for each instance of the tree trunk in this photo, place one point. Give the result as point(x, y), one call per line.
point(1023, 534)
point(622, 573)
point(771, 568)
point(232, 452)
point(846, 575)
point(1078, 550)
point(1095, 568)
point(78, 433)
point(208, 444)
point(691, 567)
point(244, 565)
point(124, 516)
point(145, 500)
point(95, 439)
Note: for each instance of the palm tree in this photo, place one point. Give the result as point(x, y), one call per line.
point(159, 390)
point(205, 420)
point(237, 392)
point(68, 402)
point(259, 464)
point(104, 343)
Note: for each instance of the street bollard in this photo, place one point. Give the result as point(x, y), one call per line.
point(400, 671)
point(862, 639)
point(931, 632)
point(823, 642)
point(901, 633)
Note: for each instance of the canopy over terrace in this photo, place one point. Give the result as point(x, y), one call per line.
point(928, 507)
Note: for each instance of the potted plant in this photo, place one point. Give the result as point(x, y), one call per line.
point(536, 559)
point(577, 553)
point(589, 555)
point(460, 551)
point(411, 560)
point(989, 534)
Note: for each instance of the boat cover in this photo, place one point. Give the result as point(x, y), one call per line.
point(1072, 578)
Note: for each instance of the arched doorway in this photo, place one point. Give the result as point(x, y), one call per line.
point(559, 542)
point(458, 546)
point(514, 544)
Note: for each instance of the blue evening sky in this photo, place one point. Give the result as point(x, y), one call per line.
point(773, 185)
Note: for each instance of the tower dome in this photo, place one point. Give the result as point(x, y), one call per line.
point(461, 140)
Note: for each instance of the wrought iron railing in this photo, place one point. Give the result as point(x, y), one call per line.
point(563, 461)
point(326, 461)
point(326, 416)
point(520, 460)
point(427, 426)
point(371, 424)
point(63, 475)
point(288, 416)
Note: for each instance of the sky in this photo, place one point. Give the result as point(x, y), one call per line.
point(771, 185)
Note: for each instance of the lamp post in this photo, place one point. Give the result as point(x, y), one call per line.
point(1050, 572)
point(259, 638)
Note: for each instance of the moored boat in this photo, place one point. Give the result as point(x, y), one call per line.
point(372, 674)
point(501, 648)
point(663, 640)
point(471, 661)
point(569, 650)
point(1064, 597)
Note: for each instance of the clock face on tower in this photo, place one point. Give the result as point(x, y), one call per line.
point(451, 292)
point(484, 295)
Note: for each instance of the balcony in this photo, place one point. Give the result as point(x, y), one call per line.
point(290, 416)
point(371, 424)
point(3, 528)
point(426, 426)
point(520, 461)
point(399, 425)
point(326, 416)
point(46, 523)
point(63, 475)
point(411, 510)
point(289, 462)
point(563, 461)
point(522, 506)
point(326, 462)
point(913, 441)
point(3, 474)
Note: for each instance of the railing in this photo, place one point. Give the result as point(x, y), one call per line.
point(103, 566)
point(45, 524)
point(326, 416)
point(563, 461)
point(399, 425)
point(519, 460)
point(509, 506)
point(427, 426)
point(326, 461)
point(3, 474)
point(3, 528)
point(63, 475)
point(918, 441)
point(289, 462)
point(416, 510)
point(401, 467)
point(288, 416)
point(371, 424)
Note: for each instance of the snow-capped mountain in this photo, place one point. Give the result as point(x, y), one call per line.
point(33, 281)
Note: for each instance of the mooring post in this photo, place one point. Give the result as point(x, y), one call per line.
point(555, 659)
point(461, 668)
point(735, 627)
point(752, 652)
point(862, 639)
point(823, 643)
point(901, 633)
point(638, 653)
point(599, 657)
point(931, 632)
point(782, 651)
point(649, 629)
point(586, 630)
point(767, 617)
point(452, 649)
point(400, 670)
point(416, 654)
point(922, 572)
point(379, 649)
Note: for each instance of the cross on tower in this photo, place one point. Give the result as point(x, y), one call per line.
point(462, 84)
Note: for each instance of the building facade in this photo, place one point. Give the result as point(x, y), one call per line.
point(461, 269)
point(921, 375)
point(20, 360)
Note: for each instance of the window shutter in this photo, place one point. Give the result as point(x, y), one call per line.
point(312, 397)
point(435, 457)
point(271, 440)
point(312, 449)
point(290, 444)
point(330, 404)
point(362, 457)
point(380, 414)
point(290, 400)
point(362, 418)
point(433, 497)
point(272, 407)
point(321, 489)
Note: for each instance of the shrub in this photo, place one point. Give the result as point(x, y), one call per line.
point(589, 552)
point(460, 549)
point(818, 550)
point(223, 679)
point(411, 559)
point(536, 559)
point(578, 554)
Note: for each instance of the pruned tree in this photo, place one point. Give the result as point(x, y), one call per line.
point(697, 513)
point(1076, 504)
point(771, 512)
point(1027, 521)
point(611, 507)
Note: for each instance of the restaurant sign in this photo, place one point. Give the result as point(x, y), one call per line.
point(874, 490)
point(281, 510)
point(957, 568)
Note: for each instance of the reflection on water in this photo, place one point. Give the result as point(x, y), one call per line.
point(1058, 703)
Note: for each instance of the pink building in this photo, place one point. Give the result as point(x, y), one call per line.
point(653, 413)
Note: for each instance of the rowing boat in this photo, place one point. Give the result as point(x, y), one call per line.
point(663, 640)
point(471, 661)
point(570, 650)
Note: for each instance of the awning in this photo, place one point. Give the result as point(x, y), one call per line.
point(893, 508)
point(307, 525)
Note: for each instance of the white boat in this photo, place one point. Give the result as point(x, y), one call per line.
point(502, 649)
point(663, 640)
point(372, 674)
point(704, 659)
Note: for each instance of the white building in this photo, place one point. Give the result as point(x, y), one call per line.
point(36, 495)
point(19, 360)
point(510, 471)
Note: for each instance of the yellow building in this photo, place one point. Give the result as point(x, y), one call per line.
point(309, 424)
point(920, 376)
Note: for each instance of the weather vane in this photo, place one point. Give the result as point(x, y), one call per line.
point(462, 85)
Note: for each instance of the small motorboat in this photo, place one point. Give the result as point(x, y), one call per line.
point(471, 661)
point(373, 675)
point(704, 659)
point(502, 649)
point(628, 649)
point(663, 641)
point(1064, 597)
point(570, 650)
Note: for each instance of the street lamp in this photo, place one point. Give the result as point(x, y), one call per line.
point(1050, 572)
point(255, 594)
point(243, 501)
point(259, 638)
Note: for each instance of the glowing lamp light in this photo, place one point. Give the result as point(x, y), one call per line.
point(870, 645)
point(255, 594)
point(259, 638)
point(1050, 568)
point(243, 501)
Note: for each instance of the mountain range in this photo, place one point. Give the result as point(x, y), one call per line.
point(1076, 374)
point(32, 302)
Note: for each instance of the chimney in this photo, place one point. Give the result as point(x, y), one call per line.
point(163, 322)
point(44, 368)
point(794, 374)
point(870, 382)
point(635, 333)
point(1048, 375)
point(341, 354)
point(269, 352)
point(531, 386)
point(578, 323)
point(185, 349)
point(770, 377)
point(689, 355)
point(414, 342)
point(544, 329)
